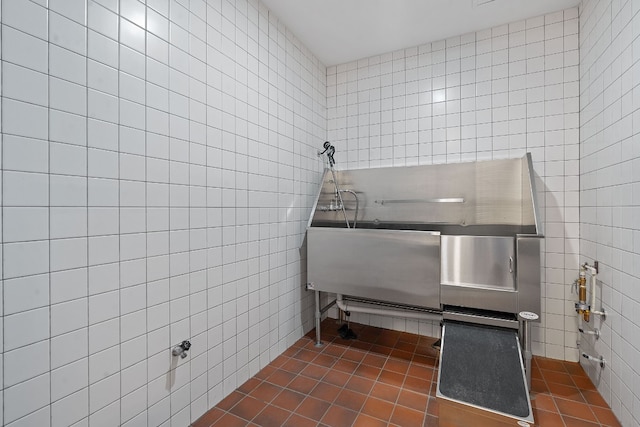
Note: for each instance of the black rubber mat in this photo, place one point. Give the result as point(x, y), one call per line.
point(481, 365)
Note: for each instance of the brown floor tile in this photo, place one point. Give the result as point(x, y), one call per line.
point(249, 385)
point(594, 398)
point(313, 408)
point(366, 371)
point(575, 409)
point(605, 416)
point(302, 384)
point(298, 421)
point(431, 421)
point(305, 355)
point(409, 337)
point(401, 355)
point(288, 399)
point(413, 400)
point(544, 402)
point(247, 408)
point(351, 399)
point(547, 419)
point(314, 371)
point(229, 420)
point(385, 392)
point(424, 372)
point(325, 391)
point(565, 392)
point(395, 365)
point(280, 378)
point(557, 377)
point(230, 401)
point(381, 350)
point(265, 372)
point(391, 378)
point(265, 392)
point(271, 416)
point(574, 369)
point(337, 378)
point(536, 372)
point(359, 384)
point(359, 345)
point(417, 384)
point(346, 366)
point(354, 355)
point(374, 360)
point(387, 340)
point(333, 350)
point(539, 386)
point(409, 347)
point(432, 407)
point(364, 420)
point(407, 417)
point(279, 361)
point(377, 408)
point(425, 360)
point(324, 360)
point(292, 350)
point(577, 422)
point(294, 366)
point(549, 364)
point(209, 418)
point(338, 416)
point(583, 383)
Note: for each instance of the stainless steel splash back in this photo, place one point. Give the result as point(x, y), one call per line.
point(464, 234)
point(485, 193)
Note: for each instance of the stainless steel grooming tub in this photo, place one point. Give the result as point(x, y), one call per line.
point(457, 242)
point(462, 235)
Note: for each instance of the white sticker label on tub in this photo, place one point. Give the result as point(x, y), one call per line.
point(524, 424)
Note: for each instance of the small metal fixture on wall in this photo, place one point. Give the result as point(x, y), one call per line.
point(181, 349)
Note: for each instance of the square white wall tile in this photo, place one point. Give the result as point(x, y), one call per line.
point(70, 379)
point(70, 409)
point(26, 397)
point(28, 17)
point(25, 224)
point(24, 49)
point(26, 362)
point(23, 84)
point(23, 119)
point(26, 293)
point(25, 258)
point(68, 316)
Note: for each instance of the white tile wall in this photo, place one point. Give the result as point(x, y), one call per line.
point(158, 168)
point(609, 193)
point(496, 93)
point(151, 154)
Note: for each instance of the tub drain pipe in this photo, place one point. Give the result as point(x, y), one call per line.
point(359, 308)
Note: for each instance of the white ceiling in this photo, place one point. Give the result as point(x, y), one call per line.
point(340, 31)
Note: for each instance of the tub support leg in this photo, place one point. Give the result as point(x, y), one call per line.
point(526, 318)
point(318, 316)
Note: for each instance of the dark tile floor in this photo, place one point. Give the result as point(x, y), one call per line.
point(385, 378)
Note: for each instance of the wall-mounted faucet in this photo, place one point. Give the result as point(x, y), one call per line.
point(339, 203)
point(181, 349)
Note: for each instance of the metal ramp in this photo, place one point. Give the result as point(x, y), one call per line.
point(481, 381)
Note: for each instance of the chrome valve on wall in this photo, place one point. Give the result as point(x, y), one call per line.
point(181, 349)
